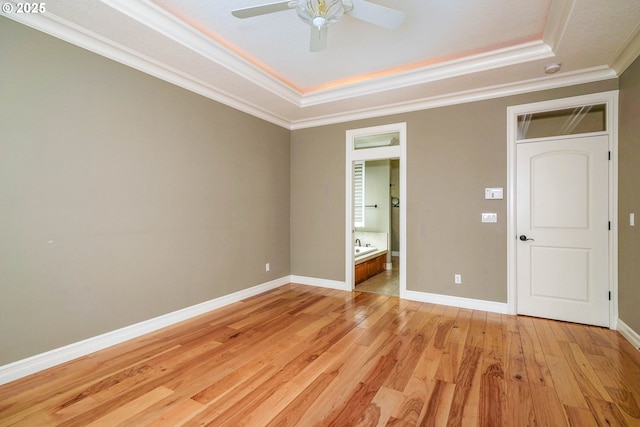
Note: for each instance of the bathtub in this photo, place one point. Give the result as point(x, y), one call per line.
point(359, 251)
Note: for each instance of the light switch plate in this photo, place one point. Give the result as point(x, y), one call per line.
point(493, 193)
point(489, 217)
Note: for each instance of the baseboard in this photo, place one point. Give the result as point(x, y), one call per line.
point(474, 304)
point(630, 335)
point(39, 362)
point(322, 283)
point(388, 266)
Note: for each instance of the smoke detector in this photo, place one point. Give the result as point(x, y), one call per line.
point(552, 68)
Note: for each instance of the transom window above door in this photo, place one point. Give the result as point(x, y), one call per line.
point(567, 121)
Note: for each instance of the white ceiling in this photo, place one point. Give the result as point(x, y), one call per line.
point(446, 51)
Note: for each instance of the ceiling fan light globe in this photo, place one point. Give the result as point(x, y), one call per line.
point(319, 22)
point(320, 13)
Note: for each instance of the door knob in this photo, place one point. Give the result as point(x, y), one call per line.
point(525, 238)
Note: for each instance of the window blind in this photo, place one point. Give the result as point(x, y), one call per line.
point(358, 194)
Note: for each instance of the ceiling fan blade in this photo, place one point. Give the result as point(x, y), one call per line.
point(318, 39)
point(263, 9)
point(376, 14)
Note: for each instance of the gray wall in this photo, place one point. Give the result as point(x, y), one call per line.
point(629, 197)
point(453, 154)
point(153, 198)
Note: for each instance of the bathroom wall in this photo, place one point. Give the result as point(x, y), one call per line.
point(377, 176)
point(123, 197)
point(372, 238)
point(395, 212)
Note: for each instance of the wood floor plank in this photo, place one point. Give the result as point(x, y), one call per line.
point(177, 414)
point(492, 385)
point(283, 396)
point(407, 359)
point(618, 387)
point(305, 356)
point(547, 338)
point(123, 413)
point(356, 403)
point(17, 397)
point(559, 333)
point(380, 409)
point(414, 398)
point(535, 362)
point(548, 408)
point(451, 359)
point(291, 415)
point(253, 399)
point(353, 369)
point(625, 365)
point(465, 404)
point(438, 407)
point(515, 364)
point(606, 413)
point(582, 337)
point(229, 398)
point(519, 409)
point(583, 372)
point(418, 394)
point(627, 403)
point(565, 384)
point(580, 417)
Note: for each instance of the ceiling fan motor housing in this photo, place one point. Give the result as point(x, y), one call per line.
point(320, 14)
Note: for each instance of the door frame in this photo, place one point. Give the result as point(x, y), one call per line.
point(378, 153)
point(609, 98)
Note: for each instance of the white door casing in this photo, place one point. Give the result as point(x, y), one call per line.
point(378, 153)
point(562, 191)
point(610, 99)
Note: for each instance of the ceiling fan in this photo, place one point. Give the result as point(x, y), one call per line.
point(322, 13)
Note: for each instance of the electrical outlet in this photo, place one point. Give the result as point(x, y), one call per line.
point(266, 267)
point(457, 279)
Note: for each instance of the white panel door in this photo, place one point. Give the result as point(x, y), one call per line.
point(562, 224)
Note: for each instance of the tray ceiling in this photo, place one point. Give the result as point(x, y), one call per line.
point(446, 51)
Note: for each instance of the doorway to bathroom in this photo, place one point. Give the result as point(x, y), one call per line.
point(375, 215)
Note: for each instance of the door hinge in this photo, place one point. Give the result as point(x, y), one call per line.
point(609, 155)
point(609, 225)
point(609, 295)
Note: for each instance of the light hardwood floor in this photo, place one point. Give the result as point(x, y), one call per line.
point(306, 356)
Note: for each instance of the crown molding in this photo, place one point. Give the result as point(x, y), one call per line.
point(552, 82)
point(473, 64)
point(159, 20)
point(557, 22)
point(169, 26)
point(62, 29)
point(629, 53)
